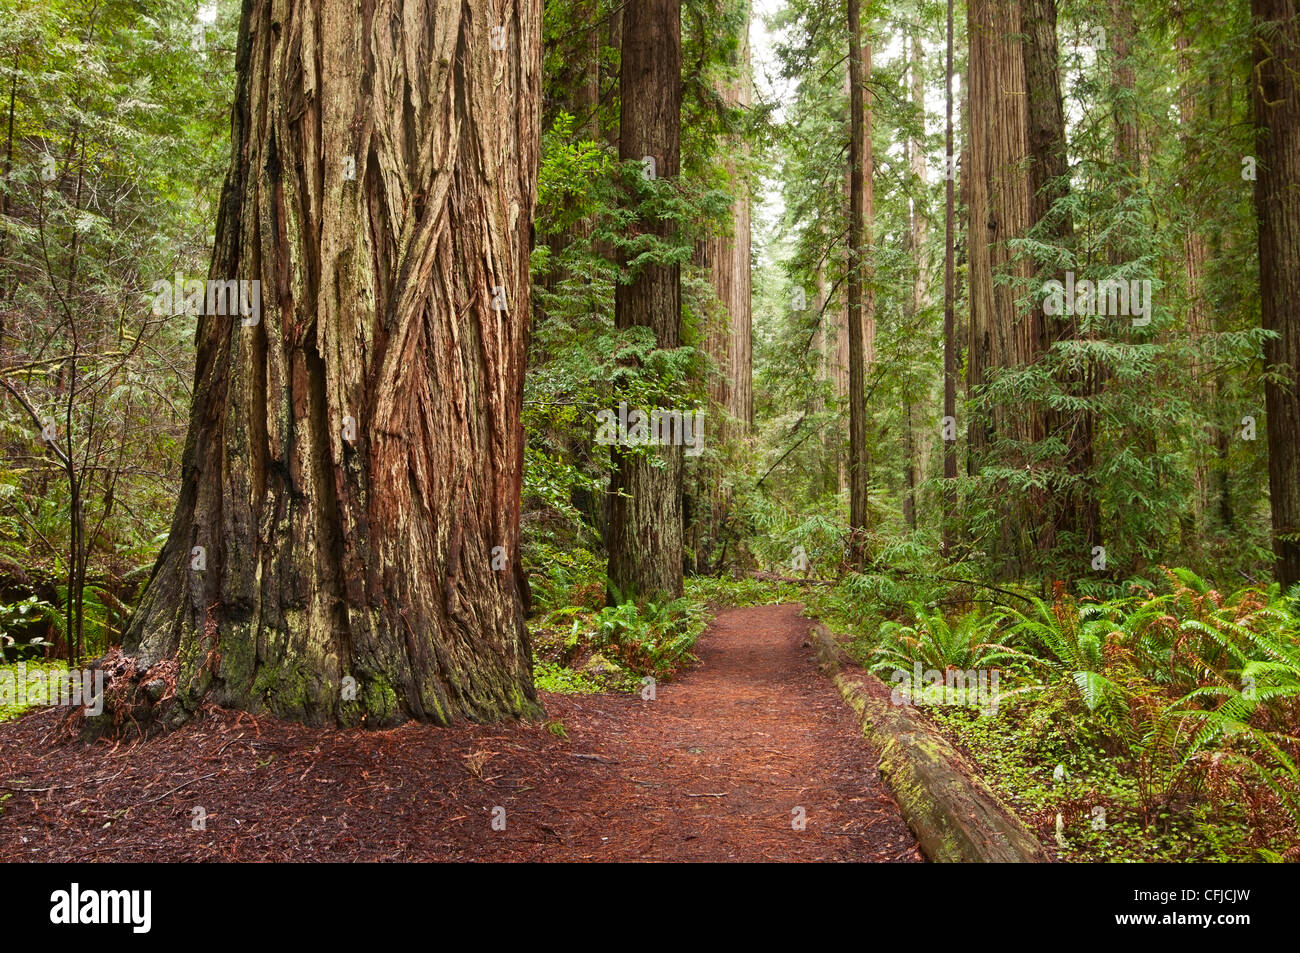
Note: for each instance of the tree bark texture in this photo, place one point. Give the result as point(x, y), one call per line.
point(645, 534)
point(348, 518)
point(1275, 90)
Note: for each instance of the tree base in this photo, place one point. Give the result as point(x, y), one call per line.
point(136, 703)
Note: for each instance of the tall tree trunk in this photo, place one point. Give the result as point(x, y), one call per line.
point(1070, 510)
point(1275, 89)
point(916, 446)
point(727, 258)
point(838, 351)
point(1196, 257)
point(645, 531)
point(350, 494)
point(6, 287)
point(949, 432)
point(728, 341)
point(999, 209)
point(825, 343)
point(861, 306)
point(587, 95)
point(1122, 34)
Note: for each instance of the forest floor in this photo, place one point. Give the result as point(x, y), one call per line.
point(721, 765)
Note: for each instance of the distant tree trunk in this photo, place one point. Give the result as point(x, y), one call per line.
point(1122, 34)
point(645, 531)
point(825, 343)
point(1196, 256)
point(349, 500)
point(587, 99)
point(910, 453)
point(977, 345)
point(949, 304)
point(1275, 90)
point(729, 341)
point(999, 209)
point(838, 352)
point(7, 286)
point(727, 259)
point(916, 446)
point(861, 306)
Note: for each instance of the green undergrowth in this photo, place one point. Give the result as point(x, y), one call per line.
point(9, 707)
point(1031, 756)
point(560, 680)
point(586, 647)
point(1156, 722)
point(728, 593)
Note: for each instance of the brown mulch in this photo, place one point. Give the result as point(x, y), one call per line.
point(712, 769)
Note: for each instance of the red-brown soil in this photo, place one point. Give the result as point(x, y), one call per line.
point(712, 769)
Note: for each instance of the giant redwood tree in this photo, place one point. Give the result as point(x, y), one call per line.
point(1275, 85)
point(345, 544)
point(645, 523)
point(999, 213)
point(1067, 506)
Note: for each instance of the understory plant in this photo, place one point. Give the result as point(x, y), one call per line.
point(650, 638)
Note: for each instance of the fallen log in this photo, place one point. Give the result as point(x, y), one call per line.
point(955, 816)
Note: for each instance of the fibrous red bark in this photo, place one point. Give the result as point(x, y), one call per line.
point(1275, 88)
point(345, 547)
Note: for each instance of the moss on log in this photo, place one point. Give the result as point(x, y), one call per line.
point(954, 815)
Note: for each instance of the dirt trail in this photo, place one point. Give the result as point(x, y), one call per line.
point(714, 768)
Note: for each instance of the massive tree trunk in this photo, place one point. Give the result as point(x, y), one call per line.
point(645, 532)
point(999, 208)
point(1275, 88)
point(861, 306)
point(1069, 508)
point(348, 517)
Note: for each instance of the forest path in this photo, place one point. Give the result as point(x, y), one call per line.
point(724, 761)
point(715, 768)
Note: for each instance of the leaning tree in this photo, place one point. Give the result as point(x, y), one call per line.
point(345, 547)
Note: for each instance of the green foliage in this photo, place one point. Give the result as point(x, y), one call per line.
point(744, 591)
point(652, 638)
point(1069, 639)
point(562, 578)
point(778, 532)
point(116, 141)
point(1192, 699)
point(1019, 752)
point(549, 677)
point(936, 642)
point(15, 620)
point(12, 708)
